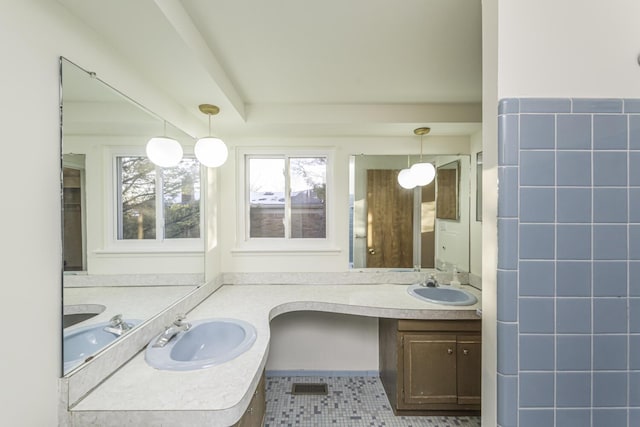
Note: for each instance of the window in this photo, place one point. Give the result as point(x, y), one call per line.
point(286, 196)
point(156, 204)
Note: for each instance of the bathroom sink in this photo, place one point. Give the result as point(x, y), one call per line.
point(207, 343)
point(81, 343)
point(442, 295)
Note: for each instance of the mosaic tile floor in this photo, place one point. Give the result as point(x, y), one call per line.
point(352, 402)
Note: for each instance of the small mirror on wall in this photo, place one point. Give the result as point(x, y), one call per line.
point(447, 189)
point(479, 186)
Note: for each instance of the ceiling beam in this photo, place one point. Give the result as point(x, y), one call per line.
point(194, 41)
point(365, 113)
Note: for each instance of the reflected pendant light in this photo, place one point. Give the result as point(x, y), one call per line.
point(210, 150)
point(406, 178)
point(423, 172)
point(164, 151)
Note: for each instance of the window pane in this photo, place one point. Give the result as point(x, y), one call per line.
point(181, 200)
point(266, 197)
point(308, 197)
point(138, 198)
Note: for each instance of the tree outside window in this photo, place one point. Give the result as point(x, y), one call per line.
point(158, 203)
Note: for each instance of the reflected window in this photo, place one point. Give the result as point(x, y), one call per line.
point(287, 197)
point(157, 203)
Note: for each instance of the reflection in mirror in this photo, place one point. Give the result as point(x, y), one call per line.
point(395, 228)
point(479, 186)
point(132, 232)
point(447, 192)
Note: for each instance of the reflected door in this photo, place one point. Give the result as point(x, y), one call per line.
point(427, 226)
point(72, 218)
point(389, 221)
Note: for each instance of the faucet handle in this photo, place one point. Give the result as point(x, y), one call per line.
point(180, 320)
point(116, 320)
point(431, 282)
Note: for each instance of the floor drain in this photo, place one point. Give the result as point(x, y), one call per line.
point(309, 388)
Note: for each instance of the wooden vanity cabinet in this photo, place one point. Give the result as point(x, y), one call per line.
point(431, 366)
point(254, 415)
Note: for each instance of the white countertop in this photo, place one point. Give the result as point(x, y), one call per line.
point(219, 395)
point(132, 302)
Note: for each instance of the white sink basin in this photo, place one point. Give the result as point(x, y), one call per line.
point(442, 295)
point(82, 343)
point(207, 343)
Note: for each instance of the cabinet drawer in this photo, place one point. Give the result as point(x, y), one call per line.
point(408, 325)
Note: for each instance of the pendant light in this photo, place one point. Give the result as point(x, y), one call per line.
point(423, 172)
point(406, 178)
point(164, 151)
point(210, 150)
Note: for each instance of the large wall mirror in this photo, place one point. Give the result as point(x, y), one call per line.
point(396, 228)
point(132, 232)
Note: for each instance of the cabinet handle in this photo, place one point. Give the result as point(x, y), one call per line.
point(372, 251)
point(449, 351)
point(250, 410)
point(465, 351)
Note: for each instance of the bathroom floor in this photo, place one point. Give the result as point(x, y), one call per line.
point(351, 401)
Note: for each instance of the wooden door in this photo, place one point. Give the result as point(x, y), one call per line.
point(429, 371)
point(469, 366)
point(389, 221)
point(72, 220)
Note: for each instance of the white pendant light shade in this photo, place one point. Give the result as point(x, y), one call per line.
point(211, 151)
point(164, 152)
point(406, 179)
point(423, 173)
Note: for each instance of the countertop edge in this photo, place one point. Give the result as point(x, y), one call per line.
point(233, 413)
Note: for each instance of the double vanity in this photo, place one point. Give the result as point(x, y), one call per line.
point(188, 381)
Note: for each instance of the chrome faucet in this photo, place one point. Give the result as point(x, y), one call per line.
point(431, 282)
point(178, 325)
point(117, 326)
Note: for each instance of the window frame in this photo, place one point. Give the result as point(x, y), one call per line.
point(113, 198)
point(245, 243)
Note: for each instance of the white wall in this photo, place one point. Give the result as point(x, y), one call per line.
point(489, 207)
point(33, 34)
point(102, 258)
point(316, 341)
point(569, 48)
point(236, 260)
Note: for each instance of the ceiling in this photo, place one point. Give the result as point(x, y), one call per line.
point(292, 67)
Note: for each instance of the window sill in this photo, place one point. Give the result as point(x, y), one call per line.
point(281, 248)
point(158, 251)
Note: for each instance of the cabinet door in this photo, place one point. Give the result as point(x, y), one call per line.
point(429, 368)
point(254, 415)
point(469, 350)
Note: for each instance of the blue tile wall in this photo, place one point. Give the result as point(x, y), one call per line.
point(568, 262)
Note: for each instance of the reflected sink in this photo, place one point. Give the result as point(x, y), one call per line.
point(81, 343)
point(207, 343)
point(442, 295)
point(77, 313)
